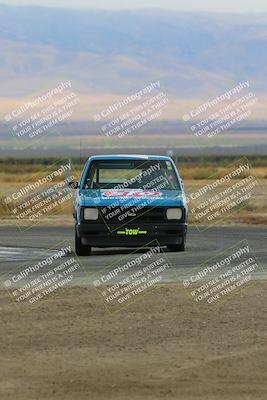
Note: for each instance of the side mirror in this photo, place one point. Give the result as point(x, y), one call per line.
point(73, 185)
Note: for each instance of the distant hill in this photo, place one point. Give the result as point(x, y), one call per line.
point(194, 55)
point(190, 52)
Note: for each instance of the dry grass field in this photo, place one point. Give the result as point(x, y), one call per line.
point(15, 174)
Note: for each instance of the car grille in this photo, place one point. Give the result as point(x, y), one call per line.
point(117, 215)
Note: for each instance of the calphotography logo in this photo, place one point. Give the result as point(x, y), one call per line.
point(221, 196)
point(42, 114)
point(134, 112)
point(223, 113)
point(223, 276)
point(132, 276)
point(45, 194)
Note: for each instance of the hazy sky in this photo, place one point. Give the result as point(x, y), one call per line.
point(186, 5)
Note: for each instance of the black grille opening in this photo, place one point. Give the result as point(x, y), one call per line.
point(117, 215)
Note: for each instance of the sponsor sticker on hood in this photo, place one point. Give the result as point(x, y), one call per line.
point(131, 193)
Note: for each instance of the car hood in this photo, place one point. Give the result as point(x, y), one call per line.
point(104, 197)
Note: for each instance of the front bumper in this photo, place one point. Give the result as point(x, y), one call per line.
point(133, 235)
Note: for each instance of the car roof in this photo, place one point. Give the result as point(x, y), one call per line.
point(129, 157)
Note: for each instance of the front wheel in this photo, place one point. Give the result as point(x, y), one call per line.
point(177, 247)
point(81, 249)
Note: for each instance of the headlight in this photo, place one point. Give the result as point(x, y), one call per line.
point(174, 213)
point(90, 213)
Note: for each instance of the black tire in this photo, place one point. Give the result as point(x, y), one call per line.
point(81, 249)
point(177, 247)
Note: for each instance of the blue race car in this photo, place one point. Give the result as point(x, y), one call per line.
point(129, 201)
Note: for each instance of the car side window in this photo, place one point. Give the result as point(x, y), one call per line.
point(91, 178)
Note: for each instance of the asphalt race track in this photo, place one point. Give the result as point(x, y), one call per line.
point(17, 249)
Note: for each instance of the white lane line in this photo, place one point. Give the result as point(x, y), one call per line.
point(23, 254)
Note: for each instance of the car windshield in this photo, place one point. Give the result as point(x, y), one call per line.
point(132, 174)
